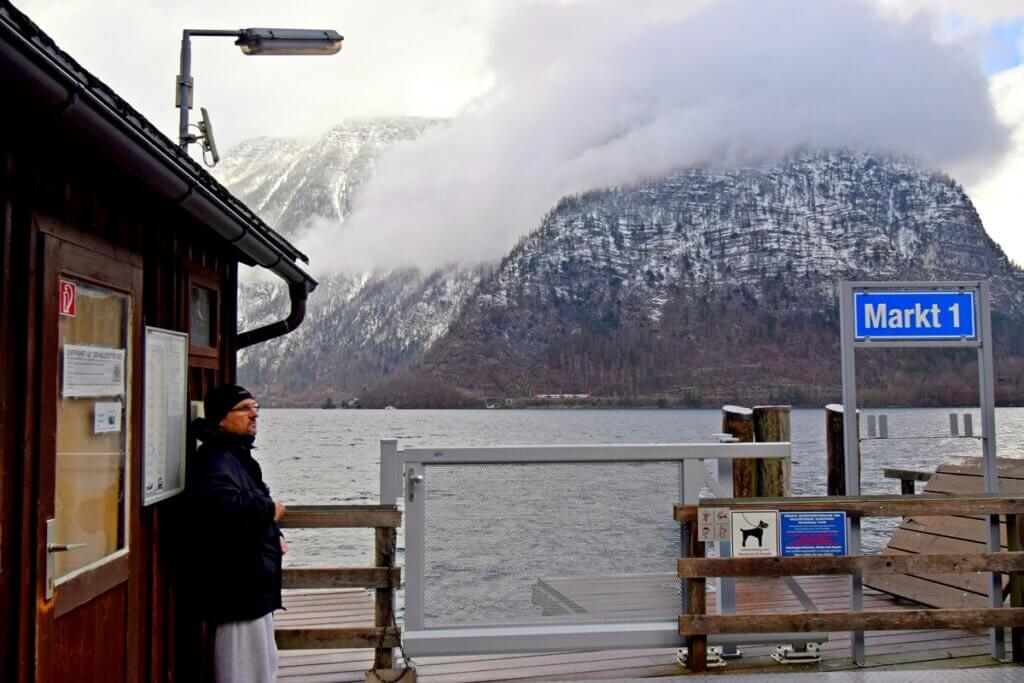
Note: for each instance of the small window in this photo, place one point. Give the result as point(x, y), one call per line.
point(202, 331)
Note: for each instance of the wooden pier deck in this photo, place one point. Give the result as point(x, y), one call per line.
point(886, 650)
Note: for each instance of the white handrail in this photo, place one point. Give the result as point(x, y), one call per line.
point(592, 453)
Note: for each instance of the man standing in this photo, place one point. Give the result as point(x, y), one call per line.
point(240, 545)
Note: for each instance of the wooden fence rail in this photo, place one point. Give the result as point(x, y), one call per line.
point(341, 517)
point(1002, 562)
point(924, 505)
point(383, 577)
point(696, 625)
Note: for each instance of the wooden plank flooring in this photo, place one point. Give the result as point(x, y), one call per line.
point(948, 534)
point(927, 649)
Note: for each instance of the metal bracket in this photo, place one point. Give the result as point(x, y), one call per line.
point(715, 660)
point(797, 590)
point(809, 653)
point(180, 83)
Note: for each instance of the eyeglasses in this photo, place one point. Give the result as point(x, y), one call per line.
point(252, 408)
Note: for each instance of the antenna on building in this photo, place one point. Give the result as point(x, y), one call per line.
point(206, 136)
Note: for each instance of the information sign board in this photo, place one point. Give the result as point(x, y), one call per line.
point(894, 315)
point(812, 533)
point(163, 439)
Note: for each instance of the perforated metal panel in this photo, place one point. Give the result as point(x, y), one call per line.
point(538, 543)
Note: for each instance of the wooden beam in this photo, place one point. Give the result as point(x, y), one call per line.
point(341, 516)
point(341, 577)
point(1015, 541)
point(336, 638)
point(906, 474)
point(385, 544)
point(696, 603)
point(882, 620)
point(853, 564)
point(923, 505)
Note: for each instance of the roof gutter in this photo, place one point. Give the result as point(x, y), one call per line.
point(70, 101)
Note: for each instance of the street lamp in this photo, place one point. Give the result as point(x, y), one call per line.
point(252, 41)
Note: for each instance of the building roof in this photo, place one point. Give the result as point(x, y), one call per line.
point(83, 103)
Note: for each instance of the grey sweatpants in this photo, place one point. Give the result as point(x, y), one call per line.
point(245, 651)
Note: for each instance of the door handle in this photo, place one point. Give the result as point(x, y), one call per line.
point(52, 549)
point(63, 547)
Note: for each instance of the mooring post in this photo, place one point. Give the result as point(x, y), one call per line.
point(835, 449)
point(1015, 543)
point(696, 603)
point(384, 598)
point(774, 475)
point(738, 421)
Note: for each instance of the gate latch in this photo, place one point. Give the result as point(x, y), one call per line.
point(413, 480)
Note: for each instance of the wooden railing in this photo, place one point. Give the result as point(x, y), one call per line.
point(697, 625)
point(383, 577)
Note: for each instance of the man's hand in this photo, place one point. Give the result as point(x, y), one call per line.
point(278, 510)
point(284, 545)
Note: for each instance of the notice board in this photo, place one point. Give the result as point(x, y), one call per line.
point(163, 436)
point(804, 534)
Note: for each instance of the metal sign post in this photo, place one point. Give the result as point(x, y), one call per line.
point(917, 315)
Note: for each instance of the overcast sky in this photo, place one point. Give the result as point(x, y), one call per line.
point(493, 66)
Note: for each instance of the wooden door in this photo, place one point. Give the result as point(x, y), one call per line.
point(90, 360)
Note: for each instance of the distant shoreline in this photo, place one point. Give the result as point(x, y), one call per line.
point(299, 406)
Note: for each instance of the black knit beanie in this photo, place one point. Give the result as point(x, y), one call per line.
point(222, 399)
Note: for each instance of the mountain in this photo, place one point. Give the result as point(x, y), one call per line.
point(710, 286)
point(358, 328)
point(288, 181)
point(701, 287)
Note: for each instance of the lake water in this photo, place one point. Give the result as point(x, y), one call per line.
point(332, 456)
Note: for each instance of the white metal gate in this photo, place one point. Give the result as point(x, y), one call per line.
point(552, 548)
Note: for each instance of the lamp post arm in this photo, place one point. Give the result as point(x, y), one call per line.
point(184, 84)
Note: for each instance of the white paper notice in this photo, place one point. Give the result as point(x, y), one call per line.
point(106, 417)
point(92, 371)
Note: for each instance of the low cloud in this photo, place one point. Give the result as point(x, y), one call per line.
point(998, 197)
point(596, 94)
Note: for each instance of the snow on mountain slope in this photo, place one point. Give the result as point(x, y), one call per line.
point(626, 290)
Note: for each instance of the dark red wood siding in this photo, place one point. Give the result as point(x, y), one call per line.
point(49, 183)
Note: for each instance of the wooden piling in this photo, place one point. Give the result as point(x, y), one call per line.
point(774, 475)
point(835, 449)
point(738, 422)
point(384, 598)
point(696, 604)
point(1015, 542)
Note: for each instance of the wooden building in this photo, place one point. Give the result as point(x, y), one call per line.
point(106, 228)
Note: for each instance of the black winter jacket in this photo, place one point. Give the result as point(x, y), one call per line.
point(237, 566)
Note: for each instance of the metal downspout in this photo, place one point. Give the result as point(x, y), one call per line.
point(297, 293)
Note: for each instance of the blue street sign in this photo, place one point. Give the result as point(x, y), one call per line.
point(914, 315)
point(812, 533)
